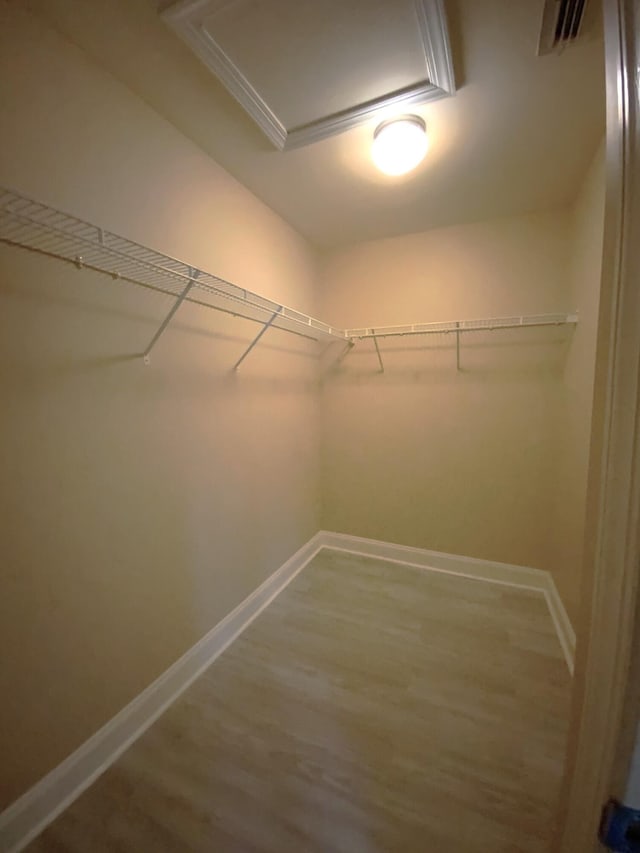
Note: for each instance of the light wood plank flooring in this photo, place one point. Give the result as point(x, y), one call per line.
point(372, 707)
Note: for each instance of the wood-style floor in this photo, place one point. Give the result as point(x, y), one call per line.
point(372, 707)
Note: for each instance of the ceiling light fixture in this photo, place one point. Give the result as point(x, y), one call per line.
point(399, 144)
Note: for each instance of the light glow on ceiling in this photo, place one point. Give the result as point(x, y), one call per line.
point(399, 144)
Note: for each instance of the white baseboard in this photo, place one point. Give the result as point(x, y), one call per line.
point(41, 804)
point(561, 621)
point(28, 816)
point(470, 567)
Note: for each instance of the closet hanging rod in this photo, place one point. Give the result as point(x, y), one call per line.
point(29, 224)
point(458, 326)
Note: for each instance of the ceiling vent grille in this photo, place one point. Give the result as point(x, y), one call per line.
point(561, 23)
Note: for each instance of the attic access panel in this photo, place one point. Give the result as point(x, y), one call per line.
point(305, 70)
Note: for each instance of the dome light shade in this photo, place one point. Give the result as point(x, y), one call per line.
point(399, 145)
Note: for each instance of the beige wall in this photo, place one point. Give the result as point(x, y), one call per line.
point(490, 461)
point(138, 504)
point(587, 224)
point(423, 455)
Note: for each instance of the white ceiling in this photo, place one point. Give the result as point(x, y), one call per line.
point(517, 136)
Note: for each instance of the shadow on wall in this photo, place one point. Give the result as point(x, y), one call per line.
point(132, 317)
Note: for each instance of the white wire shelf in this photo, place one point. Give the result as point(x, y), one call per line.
point(457, 327)
point(487, 324)
point(32, 225)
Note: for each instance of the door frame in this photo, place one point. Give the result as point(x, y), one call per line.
point(605, 703)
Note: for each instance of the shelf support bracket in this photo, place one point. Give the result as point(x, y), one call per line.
point(458, 346)
point(349, 345)
point(375, 341)
point(257, 338)
point(154, 340)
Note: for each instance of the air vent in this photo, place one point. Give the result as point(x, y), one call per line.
point(561, 22)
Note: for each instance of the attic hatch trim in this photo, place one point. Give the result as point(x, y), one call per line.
point(35, 226)
point(187, 19)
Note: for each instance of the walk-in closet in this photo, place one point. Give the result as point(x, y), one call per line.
point(295, 434)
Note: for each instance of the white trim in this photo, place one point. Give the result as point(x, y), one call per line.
point(561, 621)
point(34, 810)
point(434, 32)
point(41, 804)
point(186, 18)
point(605, 704)
point(506, 574)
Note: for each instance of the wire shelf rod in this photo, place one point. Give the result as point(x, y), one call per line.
point(154, 288)
point(460, 326)
point(29, 224)
point(135, 260)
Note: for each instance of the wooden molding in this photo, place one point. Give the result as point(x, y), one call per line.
point(608, 651)
point(186, 18)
